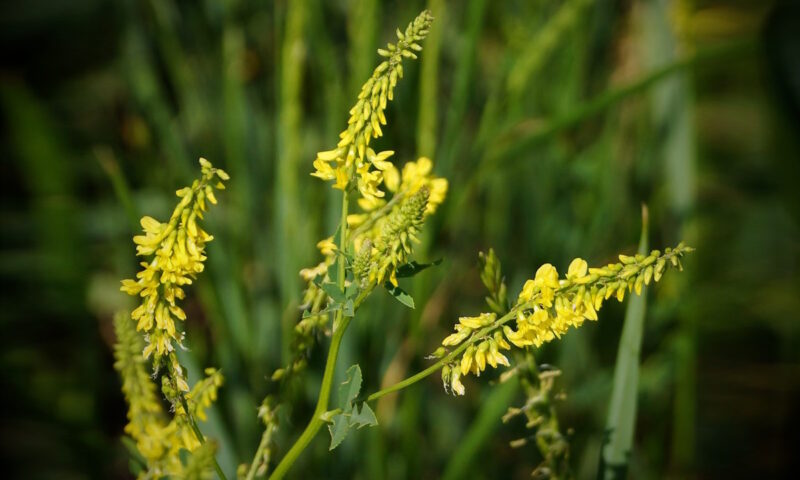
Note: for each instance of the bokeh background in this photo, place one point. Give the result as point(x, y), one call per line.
point(553, 119)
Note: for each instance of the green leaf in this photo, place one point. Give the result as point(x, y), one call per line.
point(350, 388)
point(338, 429)
point(363, 418)
point(334, 292)
point(352, 290)
point(401, 295)
point(348, 309)
point(351, 415)
point(621, 420)
point(184, 455)
point(412, 268)
point(333, 271)
point(337, 235)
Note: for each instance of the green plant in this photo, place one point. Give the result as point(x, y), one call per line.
point(370, 250)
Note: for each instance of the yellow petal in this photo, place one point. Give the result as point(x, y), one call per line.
point(577, 268)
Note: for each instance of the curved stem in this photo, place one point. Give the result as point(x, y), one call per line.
point(199, 434)
point(265, 438)
point(566, 286)
point(446, 359)
point(412, 379)
point(340, 324)
point(322, 403)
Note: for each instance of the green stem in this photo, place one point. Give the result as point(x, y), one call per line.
point(446, 359)
point(199, 434)
point(251, 474)
point(339, 326)
point(486, 331)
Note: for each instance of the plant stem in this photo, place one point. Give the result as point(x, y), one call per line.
point(199, 434)
point(486, 331)
point(251, 474)
point(339, 326)
point(446, 359)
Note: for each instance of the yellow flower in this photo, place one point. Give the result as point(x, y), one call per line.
point(548, 307)
point(326, 246)
point(477, 322)
point(546, 277)
point(461, 334)
point(455, 383)
point(177, 251)
point(352, 157)
point(577, 269)
point(158, 439)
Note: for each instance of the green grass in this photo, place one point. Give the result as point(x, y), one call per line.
point(552, 126)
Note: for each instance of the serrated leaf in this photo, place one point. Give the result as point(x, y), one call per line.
point(412, 268)
point(401, 295)
point(352, 290)
point(338, 429)
point(349, 309)
point(364, 417)
point(333, 271)
point(350, 388)
point(334, 292)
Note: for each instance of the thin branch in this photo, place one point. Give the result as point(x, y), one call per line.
point(199, 434)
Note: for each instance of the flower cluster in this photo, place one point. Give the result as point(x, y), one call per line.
point(382, 235)
point(548, 307)
point(392, 246)
point(384, 232)
point(541, 418)
point(352, 156)
point(268, 414)
point(414, 176)
point(159, 439)
point(176, 252)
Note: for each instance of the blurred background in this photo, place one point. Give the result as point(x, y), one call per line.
point(553, 120)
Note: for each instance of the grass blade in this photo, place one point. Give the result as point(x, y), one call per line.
point(673, 112)
point(427, 121)
point(621, 419)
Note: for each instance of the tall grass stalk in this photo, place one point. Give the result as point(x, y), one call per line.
point(474, 22)
point(289, 227)
point(427, 121)
point(622, 407)
point(673, 117)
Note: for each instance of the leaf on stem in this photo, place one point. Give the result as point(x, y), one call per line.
point(334, 292)
point(399, 294)
point(352, 414)
point(412, 268)
point(350, 388)
point(338, 428)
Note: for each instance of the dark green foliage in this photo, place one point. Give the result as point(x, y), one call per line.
point(107, 105)
point(353, 413)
